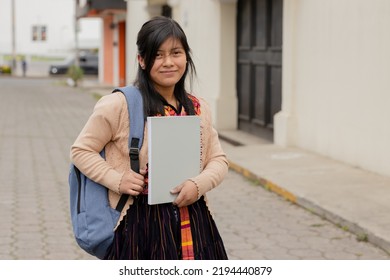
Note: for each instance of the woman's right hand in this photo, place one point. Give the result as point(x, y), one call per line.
point(132, 183)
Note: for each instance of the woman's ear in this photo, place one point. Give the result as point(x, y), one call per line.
point(141, 62)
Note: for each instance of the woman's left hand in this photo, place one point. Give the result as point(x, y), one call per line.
point(187, 194)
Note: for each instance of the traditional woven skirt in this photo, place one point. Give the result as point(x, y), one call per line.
point(153, 232)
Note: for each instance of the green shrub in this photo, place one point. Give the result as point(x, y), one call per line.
point(5, 69)
point(75, 73)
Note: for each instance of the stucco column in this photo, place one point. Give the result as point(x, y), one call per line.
point(226, 101)
point(284, 120)
point(137, 14)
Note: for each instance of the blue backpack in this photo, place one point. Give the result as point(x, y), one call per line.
point(93, 219)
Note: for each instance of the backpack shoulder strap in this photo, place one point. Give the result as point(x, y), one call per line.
point(136, 133)
point(136, 115)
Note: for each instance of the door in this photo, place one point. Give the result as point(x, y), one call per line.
point(122, 53)
point(259, 64)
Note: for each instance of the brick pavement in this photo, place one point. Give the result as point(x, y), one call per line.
point(39, 121)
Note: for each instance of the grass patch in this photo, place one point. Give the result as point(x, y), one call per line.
point(34, 58)
point(362, 237)
point(60, 83)
point(345, 228)
point(96, 95)
point(46, 58)
point(317, 225)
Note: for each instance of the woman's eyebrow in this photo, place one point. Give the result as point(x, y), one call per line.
point(172, 49)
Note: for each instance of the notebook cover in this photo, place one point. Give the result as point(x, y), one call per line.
point(173, 154)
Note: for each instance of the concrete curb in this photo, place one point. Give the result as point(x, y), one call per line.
point(263, 182)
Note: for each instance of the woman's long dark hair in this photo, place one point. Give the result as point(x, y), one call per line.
point(151, 36)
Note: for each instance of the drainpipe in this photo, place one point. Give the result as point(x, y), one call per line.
point(76, 27)
point(13, 66)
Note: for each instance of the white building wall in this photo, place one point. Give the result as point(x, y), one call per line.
point(210, 28)
point(56, 15)
point(90, 33)
point(5, 26)
point(200, 21)
point(336, 90)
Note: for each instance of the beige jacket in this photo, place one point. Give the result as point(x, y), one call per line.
point(108, 126)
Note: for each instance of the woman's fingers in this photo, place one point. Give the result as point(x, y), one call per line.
point(187, 194)
point(132, 183)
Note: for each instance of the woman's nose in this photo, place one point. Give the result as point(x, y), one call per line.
point(167, 60)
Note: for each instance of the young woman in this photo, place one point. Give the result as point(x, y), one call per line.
point(185, 228)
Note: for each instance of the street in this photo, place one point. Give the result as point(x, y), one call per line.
point(40, 119)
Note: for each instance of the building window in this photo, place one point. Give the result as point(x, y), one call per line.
point(39, 32)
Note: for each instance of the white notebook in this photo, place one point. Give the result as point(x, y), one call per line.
point(173, 154)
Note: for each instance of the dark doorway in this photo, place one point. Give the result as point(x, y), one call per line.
point(259, 64)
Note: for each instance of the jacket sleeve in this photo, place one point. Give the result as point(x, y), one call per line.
point(99, 129)
point(214, 161)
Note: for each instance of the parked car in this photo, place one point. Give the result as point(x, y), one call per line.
point(88, 62)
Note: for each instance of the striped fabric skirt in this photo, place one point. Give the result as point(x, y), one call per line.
point(153, 232)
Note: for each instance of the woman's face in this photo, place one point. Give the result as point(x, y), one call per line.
point(169, 65)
